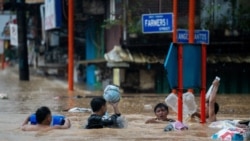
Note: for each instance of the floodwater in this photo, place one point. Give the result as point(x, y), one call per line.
point(25, 97)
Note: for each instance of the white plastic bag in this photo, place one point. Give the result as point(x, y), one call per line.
point(171, 101)
point(210, 88)
point(189, 104)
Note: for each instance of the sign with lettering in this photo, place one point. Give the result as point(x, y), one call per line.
point(53, 14)
point(200, 36)
point(13, 35)
point(157, 23)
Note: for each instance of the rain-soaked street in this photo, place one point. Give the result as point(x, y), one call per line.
point(25, 97)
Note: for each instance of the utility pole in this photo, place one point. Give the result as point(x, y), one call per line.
point(71, 44)
point(22, 41)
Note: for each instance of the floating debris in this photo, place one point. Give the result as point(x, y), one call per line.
point(3, 96)
point(79, 110)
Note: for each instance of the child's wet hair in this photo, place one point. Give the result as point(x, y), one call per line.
point(97, 103)
point(161, 105)
point(216, 107)
point(42, 113)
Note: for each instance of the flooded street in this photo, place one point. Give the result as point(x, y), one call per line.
point(25, 97)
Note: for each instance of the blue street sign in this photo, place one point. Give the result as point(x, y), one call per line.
point(200, 36)
point(157, 23)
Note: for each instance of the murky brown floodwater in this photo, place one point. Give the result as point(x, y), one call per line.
point(26, 97)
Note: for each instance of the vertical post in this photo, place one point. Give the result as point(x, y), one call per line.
point(203, 82)
point(180, 81)
point(70, 44)
point(90, 52)
point(2, 52)
point(3, 60)
point(22, 41)
point(160, 6)
point(112, 10)
point(175, 8)
point(125, 4)
point(191, 19)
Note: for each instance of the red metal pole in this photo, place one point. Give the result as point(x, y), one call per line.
point(191, 19)
point(203, 82)
point(175, 8)
point(180, 81)
point(70, 44)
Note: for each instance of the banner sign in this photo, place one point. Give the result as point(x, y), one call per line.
point(53, 14)
point(13, 35)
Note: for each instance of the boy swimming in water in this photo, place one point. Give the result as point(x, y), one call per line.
point(99, 107)
point(212, 107)
point(43, 119)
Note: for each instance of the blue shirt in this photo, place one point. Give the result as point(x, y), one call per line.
point(56, 120)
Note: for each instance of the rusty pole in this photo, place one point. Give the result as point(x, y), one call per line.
point(180, 82)
point(191, 19)
point(203, 82)
point(70, 44)
point(175, 8)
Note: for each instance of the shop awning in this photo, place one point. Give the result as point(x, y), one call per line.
point(34, 1)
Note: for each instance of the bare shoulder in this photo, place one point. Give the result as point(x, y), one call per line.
point(151, 120)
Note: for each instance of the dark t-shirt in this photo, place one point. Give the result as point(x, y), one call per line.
point(97, 121)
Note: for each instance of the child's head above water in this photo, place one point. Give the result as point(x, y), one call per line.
point(43, 115)
point(98, 104)
point(161, 111)
point(161, 106)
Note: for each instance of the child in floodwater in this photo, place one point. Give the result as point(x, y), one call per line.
point(43, 119)
point(97, 119)
point(212, 107)
point(161, 112)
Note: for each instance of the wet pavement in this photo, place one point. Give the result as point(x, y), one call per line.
point(24, 97)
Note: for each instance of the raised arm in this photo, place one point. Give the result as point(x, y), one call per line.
point(116, 108)
point(212, 99)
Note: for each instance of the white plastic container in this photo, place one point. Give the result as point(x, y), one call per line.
point(171, 101)
point(210, 88)
point(189, 104)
